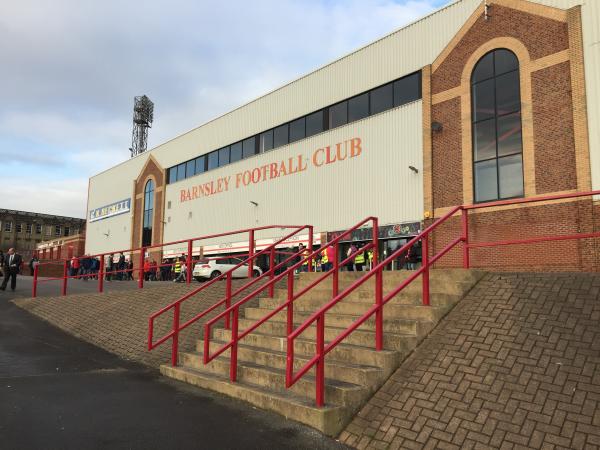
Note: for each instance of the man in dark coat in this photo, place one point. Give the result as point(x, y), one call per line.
point(12, 265)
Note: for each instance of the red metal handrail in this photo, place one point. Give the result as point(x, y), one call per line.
point(226, 300)
point(289, 273)
point(142, 251)
point(319, 316)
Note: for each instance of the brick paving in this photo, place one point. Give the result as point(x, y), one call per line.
point(118, 321)
point(515, 365)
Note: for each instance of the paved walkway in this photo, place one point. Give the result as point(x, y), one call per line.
point(515, 365)
point(58, 392)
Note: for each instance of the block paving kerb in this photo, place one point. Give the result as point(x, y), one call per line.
point(515, 365)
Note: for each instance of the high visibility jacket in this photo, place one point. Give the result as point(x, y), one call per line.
point(177, 268)
point(370, 255)
point(360, 258)
point(303, 255)
point(324, 258)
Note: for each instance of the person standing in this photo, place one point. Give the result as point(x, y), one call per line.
point(359, 259)
point(121, 267)
point(12, 264)
point(350, 264)
point(109, 267)
point(33, 264)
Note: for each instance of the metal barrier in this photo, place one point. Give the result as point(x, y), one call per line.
point(380, 301)
point(226, 300)
point(288, 274)
point(141, 251)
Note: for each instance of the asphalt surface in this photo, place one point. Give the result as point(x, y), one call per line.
point(58, 392)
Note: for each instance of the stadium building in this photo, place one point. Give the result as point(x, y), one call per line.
point(476, 102)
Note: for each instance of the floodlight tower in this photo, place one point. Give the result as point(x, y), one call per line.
point(143, 114)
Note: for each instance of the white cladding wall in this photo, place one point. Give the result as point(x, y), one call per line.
point(331, 197)
point(112, 233)
point(395, 55)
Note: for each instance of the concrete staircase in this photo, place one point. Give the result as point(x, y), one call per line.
point(354, 371)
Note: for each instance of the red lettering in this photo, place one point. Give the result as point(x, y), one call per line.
point(355, 147)
point(182, 196)
point(282, 169)
point(273, 172)
point(247, 178)
point(301, 164)
point(195, 192)
point(338, 151)
point(328, 160)
point(315, 157)
point(255, 175)
point(238, 179)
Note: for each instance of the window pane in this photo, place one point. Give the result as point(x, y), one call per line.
point(223, 156)
point(483, 101)
point(505, 61)
point(190, 168)
point(280, 136)
point(407, 89)
point(236, 152)
point(508, 98)
point(173, 174)
point(266, 141)
point(181, 172)
point(213, 160)
point(201, 164)
point(485, 140)
point(314, 123)
point(484, 68)
point(297, 129)
point(509, 134)
point(249, 147)
point(511, 176)
point(358, 107)
point(486, 184)
point(338, 115)
point(382, 98)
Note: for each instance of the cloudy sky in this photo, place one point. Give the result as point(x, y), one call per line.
point(70, 70)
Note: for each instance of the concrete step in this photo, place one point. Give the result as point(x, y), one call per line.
point(337, 392)
point(384, 359)
point(401, 342)
point(329, 419)
point(367, 290)
point(315, 301)
point(361, 375)
point(397, 276)
point(391, 309)
point(400, 326)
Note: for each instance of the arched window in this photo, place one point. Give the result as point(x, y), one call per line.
point(496, 115)
point(148, 213)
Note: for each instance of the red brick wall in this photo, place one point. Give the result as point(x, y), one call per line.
point(541, 36)
point(447, 155)
point(555, 168)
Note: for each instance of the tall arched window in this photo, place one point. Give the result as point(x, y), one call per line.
point(496, 115)
point(148, 213)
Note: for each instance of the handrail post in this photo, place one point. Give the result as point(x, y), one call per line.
point(65, 278)
point(310, 246)
point(272, 271)
point(336, 267)
point(141, 268)
point(425, 262)
point(465, 238)
point(188, 275)
point(290, 302)
point(375, 241)
point(250, 253)
point(228, 300)
point(320, 369)
point(101, 275)
point(234, 347)
point(378, 289)
point(35, 281)
point(175, 343)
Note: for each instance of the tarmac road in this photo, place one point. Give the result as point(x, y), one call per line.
point(58, 392)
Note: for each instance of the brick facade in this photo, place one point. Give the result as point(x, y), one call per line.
point(151, 171)
point(554, 130)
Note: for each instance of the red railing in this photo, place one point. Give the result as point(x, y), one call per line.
point(321, 350)
point(141, 251)
point(177, 326)
point(289, 273)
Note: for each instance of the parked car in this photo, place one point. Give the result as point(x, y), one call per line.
point(215, 267)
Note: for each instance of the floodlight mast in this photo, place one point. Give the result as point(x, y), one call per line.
point(143, 115)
